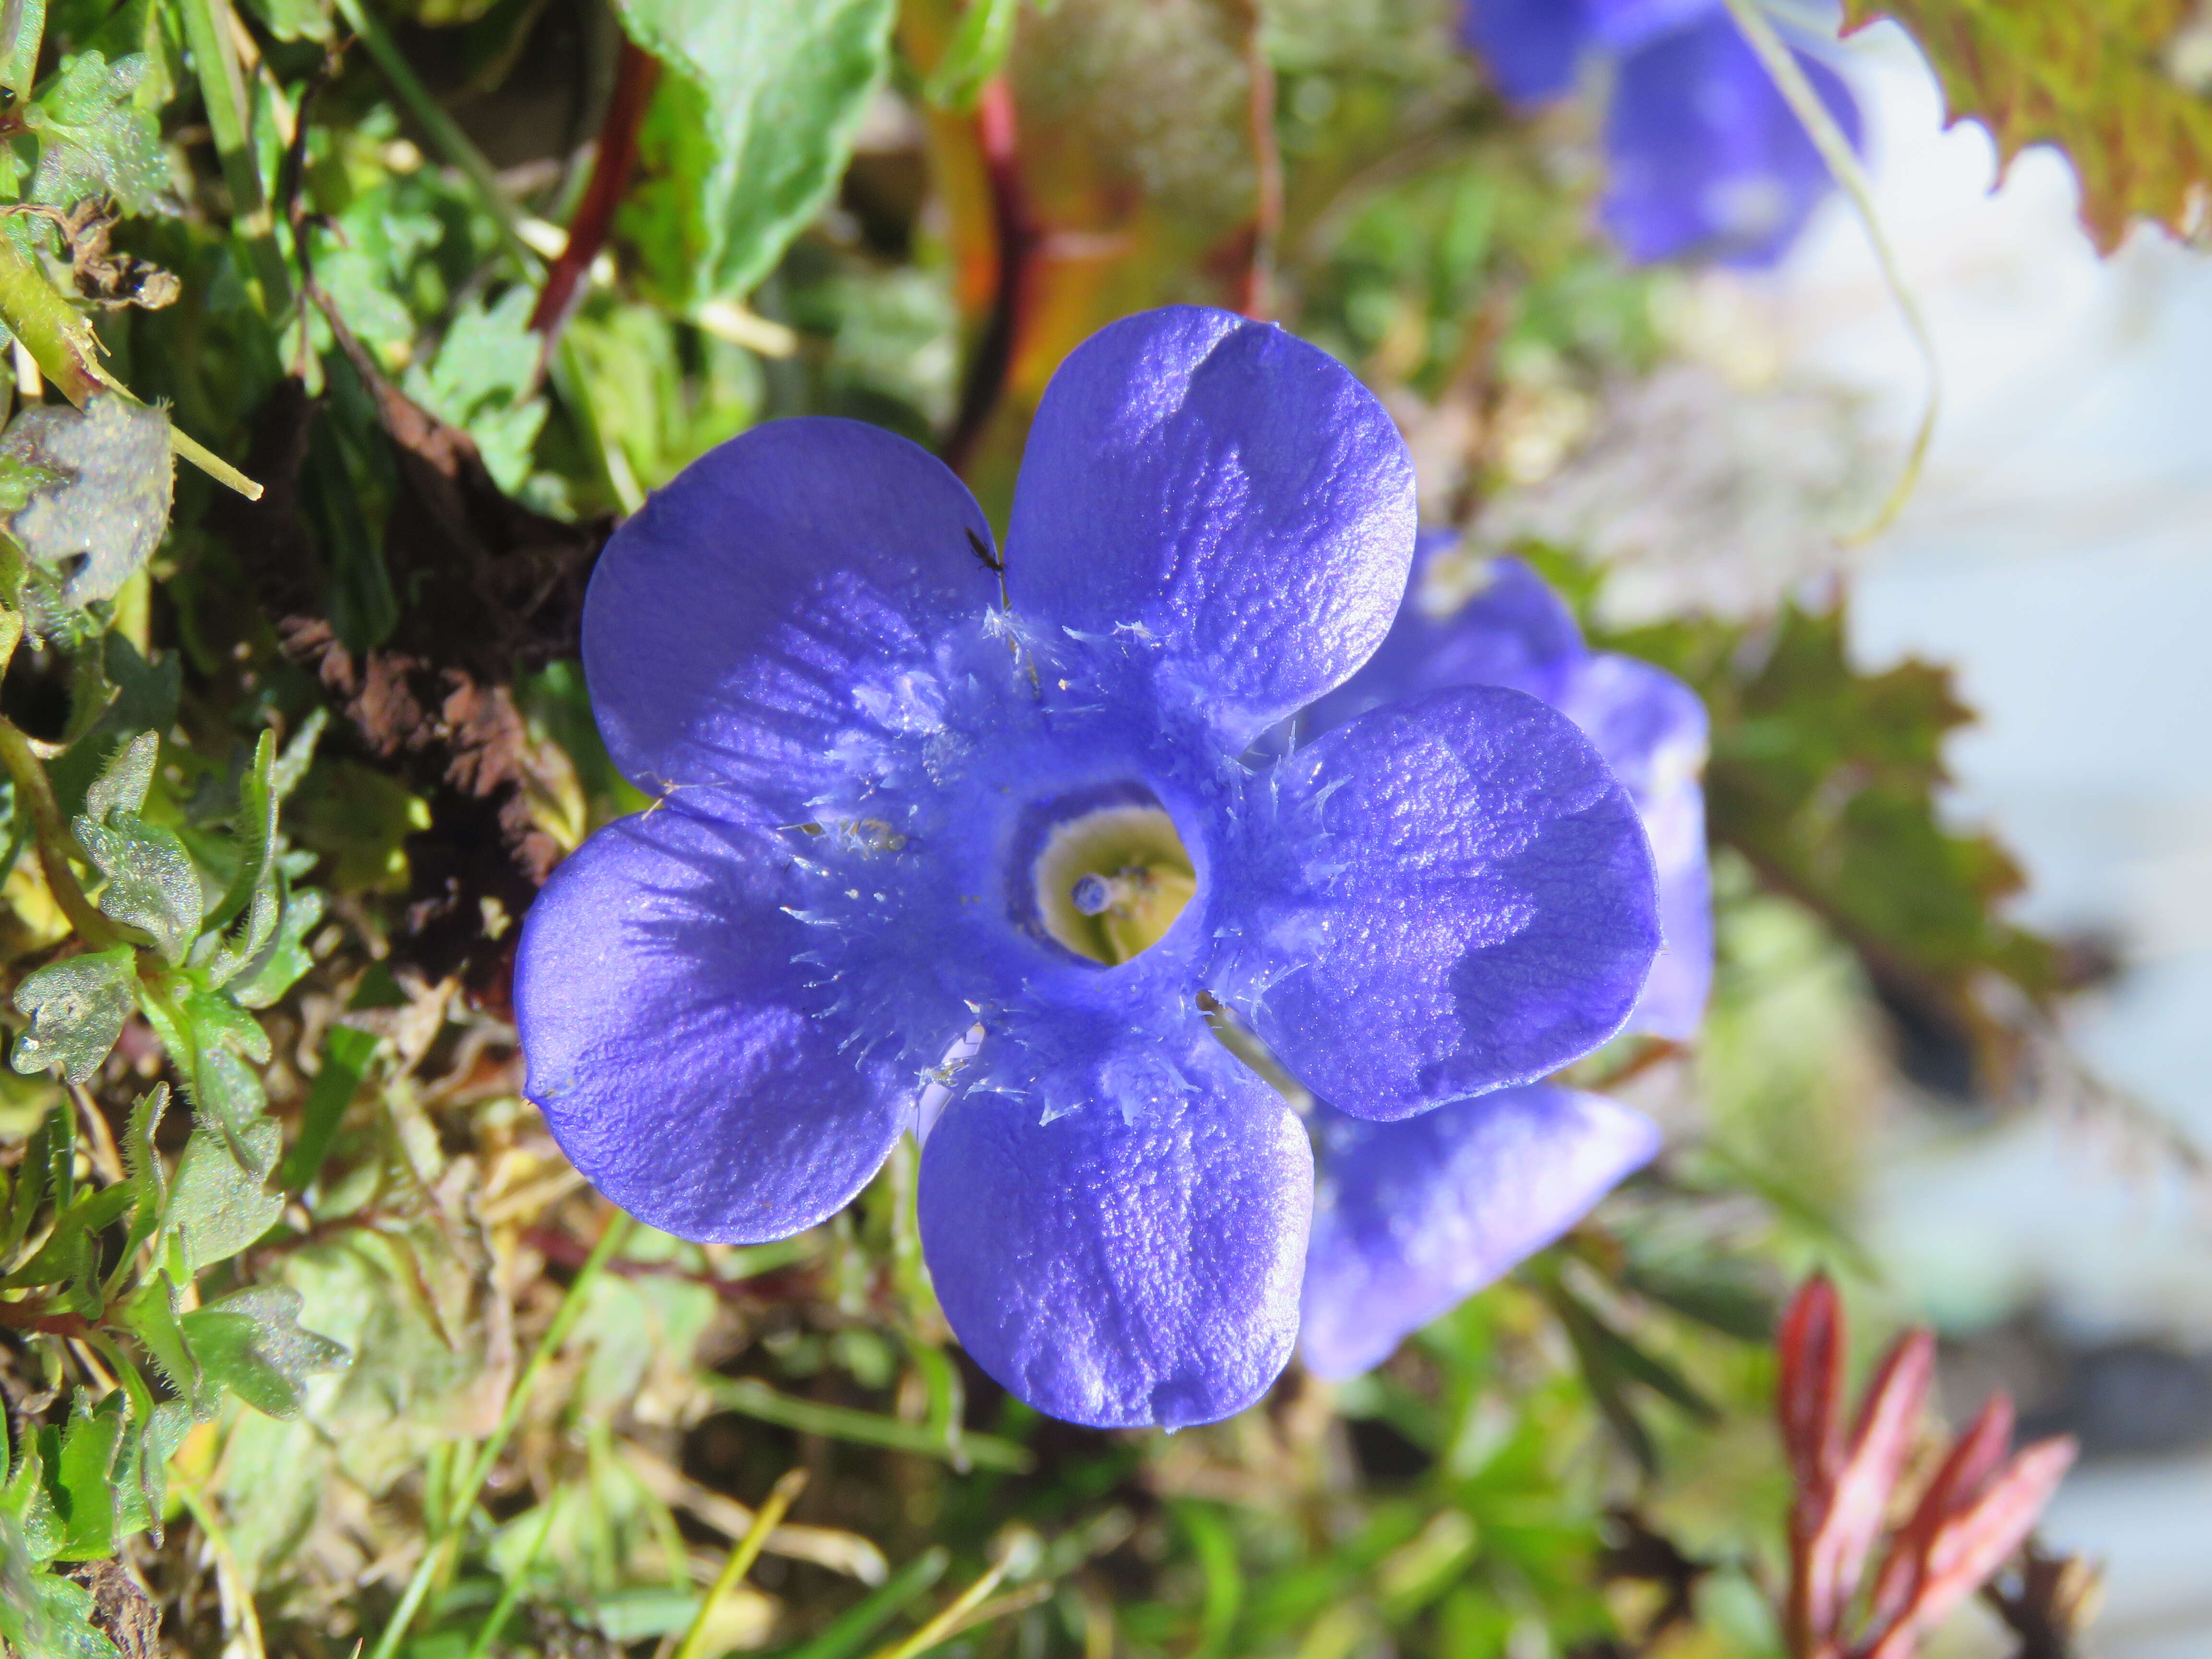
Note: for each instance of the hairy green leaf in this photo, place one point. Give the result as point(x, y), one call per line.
point(252, 1344)
point(77, 1007)
point(749, 130)
point(82, 1477)
point(105, 504)
point(94, 139)
point(218, 1204)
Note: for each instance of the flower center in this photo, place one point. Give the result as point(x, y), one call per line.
point(1109, 882)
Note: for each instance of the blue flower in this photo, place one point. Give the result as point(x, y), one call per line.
point(1411, 1218)
point(976, 847)
point(1705, 158)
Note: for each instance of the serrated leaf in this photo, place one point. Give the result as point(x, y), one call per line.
point(251, 1343)
point(148, 1177)
point(286, 956)
point(256, 833)
point(2089, 78)
point(83, 1478)
point(106, 507)
point(750, 130)
point(142, 1482)
point(216, 1206)
point(152, 1316)
point(77, 1007)
point(94, 137)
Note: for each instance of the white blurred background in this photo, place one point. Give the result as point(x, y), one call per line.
point(2058, 551)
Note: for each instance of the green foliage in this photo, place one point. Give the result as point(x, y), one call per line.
point(96, 138)
point(748, 132)
point(77, 1007)
point(2090, 79)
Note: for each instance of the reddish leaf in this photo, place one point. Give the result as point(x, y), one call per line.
point(1972, 1461)
point(1861, 1499)
point(1811, 1345)
point(1974, 1544)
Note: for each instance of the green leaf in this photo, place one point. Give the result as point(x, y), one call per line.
point(484, 379)
point(30, 1188)
point(77, 1007)
point(2091, 79)
point(251, 1344)
point(22, 27)
point(749, 130)
point(26, 1503)
point(285, 956)
point(152, 1316)
point(94, 137)
point(978, 52)
point(346, 1054)
point(106, 507)
point(82, 1478)
point(141, 1470)
point(216, 1205)
point(151, 883)
point(257, 830)
point(149, 1176)
point(295, 20)
point(67, 1252)
point(42, 1614)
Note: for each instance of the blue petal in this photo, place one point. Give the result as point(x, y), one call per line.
point(1706, 159)
point(1651, 730)
point(1619, 26)
point(1412, 1218)
point(1474, 907)
point(1515, 631)
point(1132, 1263)
point(1226, 500)
point(1533, 47)
point(731, 620)
point(673, 1045)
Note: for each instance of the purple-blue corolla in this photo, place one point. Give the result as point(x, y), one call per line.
point(1705, 160)
point(1411, 1218)
point(975, 847)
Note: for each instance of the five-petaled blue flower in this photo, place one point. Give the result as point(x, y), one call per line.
point(1413, 1216)
point(977, 847)
point(1705, 160)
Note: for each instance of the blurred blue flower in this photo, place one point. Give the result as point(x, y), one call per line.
point(1705, 160)
point(1411, 1218)
point(973, 848)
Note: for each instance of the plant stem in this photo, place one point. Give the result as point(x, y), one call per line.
point(639, 72)
point(51, 329)
point(747, 1551)
point(33, 788)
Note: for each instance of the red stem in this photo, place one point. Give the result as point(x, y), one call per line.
point(611, 167)
point(1019, 239)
